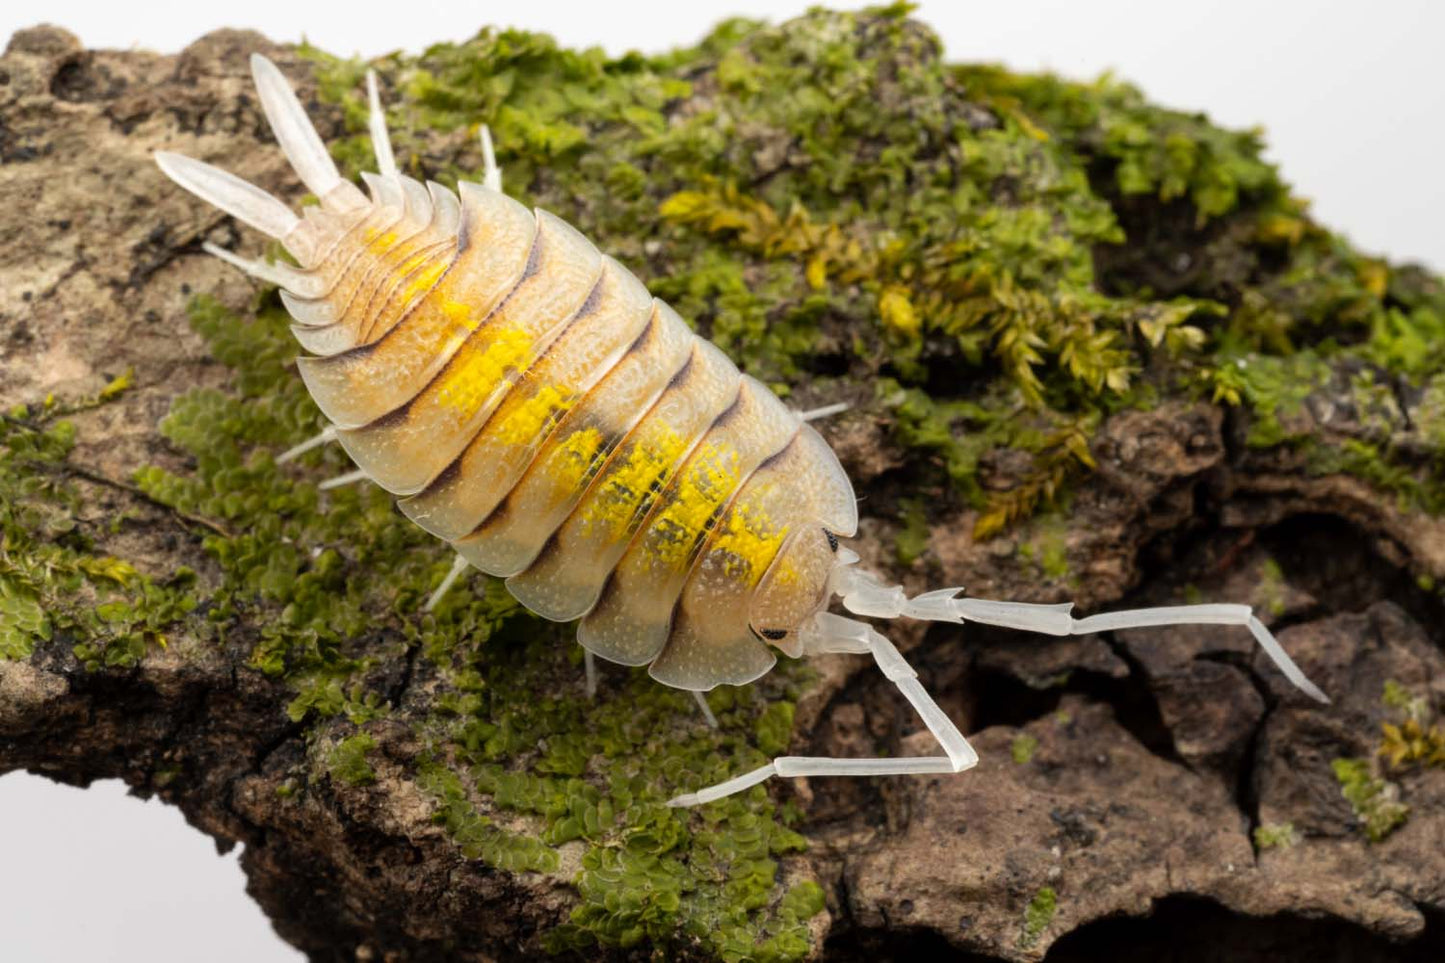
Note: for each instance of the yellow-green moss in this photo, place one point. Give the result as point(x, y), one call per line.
point(1275, 836)
point(1375, 801)
point(347, 760)
point(1023, 747)
point(52, 582)
point(1037, 916)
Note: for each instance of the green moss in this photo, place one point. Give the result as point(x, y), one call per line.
point(53, 584)
point(912, 539)
point(1047, 546)
point(1037, 916)
point(1375, 801)
point(1271, 587)
point(900, 216)
point(1275, 836)
point(1023, 747)
point(1144, 149)
point(346, 762)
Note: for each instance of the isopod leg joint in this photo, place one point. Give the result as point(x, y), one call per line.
point(828, 633)
point(864, 593)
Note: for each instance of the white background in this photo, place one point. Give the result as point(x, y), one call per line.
point(1351, 95)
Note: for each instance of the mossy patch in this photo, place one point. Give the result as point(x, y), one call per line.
point(1275, 836)
point(1023, 747)
point(53, 583)
point(1037, 916)
point(1375, 801)
point(347, 760)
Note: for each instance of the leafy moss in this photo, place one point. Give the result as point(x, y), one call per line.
point(52, 582)
point(347, 760)
point(1023, 747)
point(1037, 916)
point(1144, 149)
point(1375, 801)
point(1416, 739)
point(1275, 836)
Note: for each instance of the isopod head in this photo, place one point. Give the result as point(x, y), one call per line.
point(794, 588)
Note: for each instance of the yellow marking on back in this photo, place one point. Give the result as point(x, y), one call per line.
point(706, 484)
point(477, 370)
point(572, 461)
point(650, 462)
point(424, 281)
point(379, 241)
point(463, 319)
point(749, 538)
point(412, 263)
point(521, 422)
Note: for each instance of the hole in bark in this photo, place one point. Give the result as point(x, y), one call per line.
point(1339, 564)
point(1186, 930)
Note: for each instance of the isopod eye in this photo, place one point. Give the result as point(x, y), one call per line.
point(773, 635)
point(832, 540)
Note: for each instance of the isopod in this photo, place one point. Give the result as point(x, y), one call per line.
point(533, 405)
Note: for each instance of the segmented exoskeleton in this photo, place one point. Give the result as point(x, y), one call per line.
point(530, 403)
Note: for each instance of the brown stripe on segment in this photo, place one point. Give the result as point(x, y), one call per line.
point(633, 615)
point(464, 236)
point(605, 451)
point(376, 260)
point(404, 452)
point(564, 581)
point(354, 388)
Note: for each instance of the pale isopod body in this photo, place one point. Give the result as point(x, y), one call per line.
point(529, 402)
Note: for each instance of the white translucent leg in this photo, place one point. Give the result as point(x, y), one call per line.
point(589, 665)
point(349, 478)
point(865, 594)
point(491, 173)
point(824, 412)
point(376, 124)
point(706, 709)
point(327, 436)
point(833, 633)
point(459, 565)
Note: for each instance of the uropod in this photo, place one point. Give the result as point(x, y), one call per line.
point(530, 403)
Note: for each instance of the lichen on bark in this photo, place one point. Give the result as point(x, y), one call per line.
point(1098, 335)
